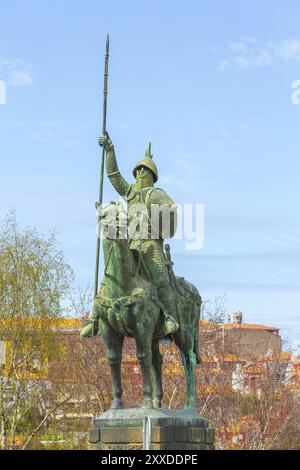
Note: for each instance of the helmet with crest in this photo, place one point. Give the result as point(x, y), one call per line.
point(147, 162)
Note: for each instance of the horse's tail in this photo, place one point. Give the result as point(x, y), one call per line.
point(196, 336)
point(196, 346)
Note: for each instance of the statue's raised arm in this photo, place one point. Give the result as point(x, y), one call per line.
point(113, 173)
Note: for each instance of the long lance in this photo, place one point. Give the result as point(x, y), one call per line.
point(102, 167)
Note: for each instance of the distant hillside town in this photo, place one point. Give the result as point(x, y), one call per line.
point(247, 385)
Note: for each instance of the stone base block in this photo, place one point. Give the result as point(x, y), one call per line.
point(170, 430)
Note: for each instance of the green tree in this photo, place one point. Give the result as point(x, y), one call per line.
point(34, 282)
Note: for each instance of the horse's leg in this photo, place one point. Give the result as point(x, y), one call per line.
point(189, 363)
point(113, 342)
point(192, 361)
point(184, 359)
point(143, 340)
point(157, 374)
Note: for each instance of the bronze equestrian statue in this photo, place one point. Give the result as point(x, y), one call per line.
point(140, 297)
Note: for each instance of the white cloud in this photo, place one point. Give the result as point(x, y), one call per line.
point(20, 78)
point(17, 72)
point(250, 52)
point(287, 49)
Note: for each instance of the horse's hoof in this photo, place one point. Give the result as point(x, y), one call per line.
point(190, 405)
point(147, 403)
point(116, 405)
point(157, 404)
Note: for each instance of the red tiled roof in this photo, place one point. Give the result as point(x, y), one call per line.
point(249, 326)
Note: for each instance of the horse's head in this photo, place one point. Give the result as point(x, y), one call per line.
point(120, 266)
point(113, 221)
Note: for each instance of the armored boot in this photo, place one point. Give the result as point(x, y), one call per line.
point(166, 297)
point(91, 328)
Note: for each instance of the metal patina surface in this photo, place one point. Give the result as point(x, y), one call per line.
point(140, 296)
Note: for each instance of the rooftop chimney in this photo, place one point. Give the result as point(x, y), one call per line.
point(235, 317)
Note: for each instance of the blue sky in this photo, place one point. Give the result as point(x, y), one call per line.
point(209, 83)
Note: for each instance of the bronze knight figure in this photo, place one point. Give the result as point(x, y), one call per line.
point(143, 193)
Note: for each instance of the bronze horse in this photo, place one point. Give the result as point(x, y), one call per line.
point(127, 305)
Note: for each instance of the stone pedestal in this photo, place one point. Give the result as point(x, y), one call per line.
point(171, 430)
